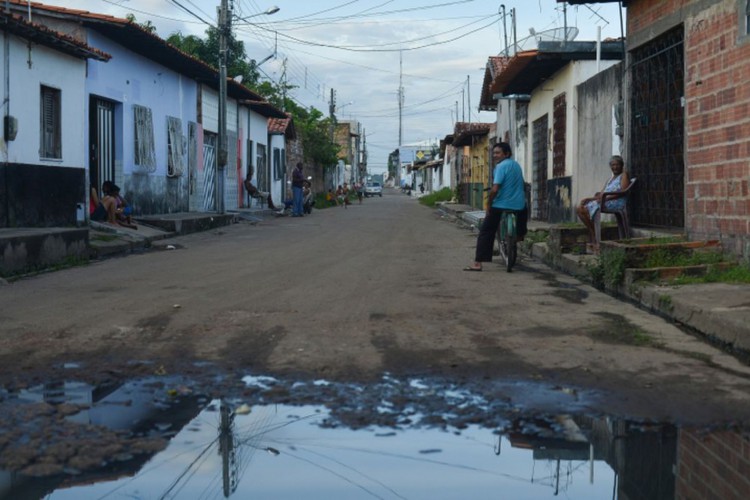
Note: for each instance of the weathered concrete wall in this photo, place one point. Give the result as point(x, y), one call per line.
point(597, 140)
point(25, 250)
point(41, 196)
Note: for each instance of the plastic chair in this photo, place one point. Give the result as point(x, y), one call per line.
point(623, 224)
point(260, 201)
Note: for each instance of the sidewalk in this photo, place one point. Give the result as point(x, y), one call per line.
point(720, 311)
point(26, 250)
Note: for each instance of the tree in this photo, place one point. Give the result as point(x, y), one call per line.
point(312, 125)
point(148, 25)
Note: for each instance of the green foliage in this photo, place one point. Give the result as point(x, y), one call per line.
point(736, 274)
point(665, 302)
point(532, 237)
point(654, 240)
point(314, 131)
point(429, 200)
point(609, 269)
point(664, 257)
point(148, 25)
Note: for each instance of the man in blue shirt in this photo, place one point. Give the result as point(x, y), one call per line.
point(507, 193)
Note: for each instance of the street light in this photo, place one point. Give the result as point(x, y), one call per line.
point(340, 108)
point(225, 31)
point(271, 10)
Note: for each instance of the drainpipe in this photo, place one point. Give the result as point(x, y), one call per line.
point(6, 104)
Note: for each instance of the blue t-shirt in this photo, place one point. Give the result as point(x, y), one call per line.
point(512, 195)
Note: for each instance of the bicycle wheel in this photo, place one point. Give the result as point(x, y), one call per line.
point(510, 241)
point(501, 244)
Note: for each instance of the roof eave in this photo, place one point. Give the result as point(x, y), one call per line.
point(528, 70)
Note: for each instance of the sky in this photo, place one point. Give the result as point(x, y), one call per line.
point(436, 50)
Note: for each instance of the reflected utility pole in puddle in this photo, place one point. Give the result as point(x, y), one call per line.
point(229, 472)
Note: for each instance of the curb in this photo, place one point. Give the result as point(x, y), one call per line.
point(718, 311)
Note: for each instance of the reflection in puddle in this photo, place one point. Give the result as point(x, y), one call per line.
point(259, 449)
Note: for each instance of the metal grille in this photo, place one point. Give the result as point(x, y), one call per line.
point(209, 173)
point(103, 150)
point(558, 136)
point(657, 132)
point(539, 162)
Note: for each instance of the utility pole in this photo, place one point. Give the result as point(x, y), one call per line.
point(282, 82)
point(468, 95)
point(463, 105)
point(225, 27)
point(331, 111)
point(400, 97)
point(505, 31)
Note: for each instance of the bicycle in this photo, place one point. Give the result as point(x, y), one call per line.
point(507, 239)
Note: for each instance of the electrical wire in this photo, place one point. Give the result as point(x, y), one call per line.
point(361, 49)
point(178, 4)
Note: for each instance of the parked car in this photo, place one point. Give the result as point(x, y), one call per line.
point(373, 189)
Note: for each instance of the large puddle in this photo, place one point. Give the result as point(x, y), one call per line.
point(415, 439)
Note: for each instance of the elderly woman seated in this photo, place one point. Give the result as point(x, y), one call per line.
point(589, 208)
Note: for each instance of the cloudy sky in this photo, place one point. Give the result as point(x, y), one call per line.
point(366, 49)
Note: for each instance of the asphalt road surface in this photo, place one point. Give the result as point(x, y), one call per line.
point(353, 293)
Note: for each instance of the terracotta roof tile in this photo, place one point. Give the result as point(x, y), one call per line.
point(495, 66)
point(73, 12)
point(43, 35)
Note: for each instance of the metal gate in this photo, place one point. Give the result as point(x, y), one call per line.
point(657, 132)
point(101, 142)
point(559, 120)
point(539, 162)
point(209, 172)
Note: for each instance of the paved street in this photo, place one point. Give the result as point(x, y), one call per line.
point(349, 294)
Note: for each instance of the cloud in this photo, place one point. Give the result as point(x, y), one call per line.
point(434, 77)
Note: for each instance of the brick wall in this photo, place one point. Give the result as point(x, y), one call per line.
point(715, 465)
point(717, 112)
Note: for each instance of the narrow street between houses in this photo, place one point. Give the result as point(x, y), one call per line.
point(345, 311)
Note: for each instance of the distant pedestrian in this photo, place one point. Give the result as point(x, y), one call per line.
point(298, 182)
point(360, 188)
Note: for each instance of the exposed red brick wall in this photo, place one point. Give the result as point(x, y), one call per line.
point(713, 466)
point(717, 93)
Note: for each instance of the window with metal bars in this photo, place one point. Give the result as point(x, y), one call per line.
point(50, 137)
point(277, 173)
point(175, 157)
point(144, 149)
point(260, 168)
point(559, 118)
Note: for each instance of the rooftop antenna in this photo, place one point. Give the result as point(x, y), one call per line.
point(505, 32)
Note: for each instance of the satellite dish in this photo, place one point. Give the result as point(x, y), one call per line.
point(551, 35)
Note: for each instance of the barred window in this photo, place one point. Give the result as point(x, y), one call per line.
point(175, 148)
point(50, 142)
point(260, 168)
point(277, 173)
point(144, 148)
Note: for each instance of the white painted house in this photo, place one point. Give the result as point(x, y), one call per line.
point(151, 117)
point(42, 82)
point(536, 99)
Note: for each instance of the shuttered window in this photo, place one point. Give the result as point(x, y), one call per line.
point(277, 163)
point(144, 148)
point(175, 149)
point(260, 168)
point(50, 145)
